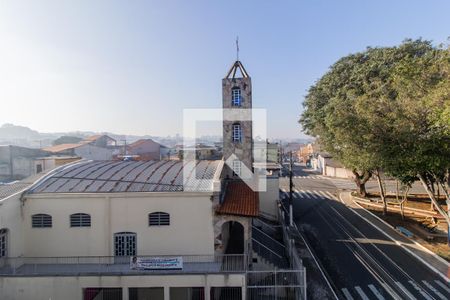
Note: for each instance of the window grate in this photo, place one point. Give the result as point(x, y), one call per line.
point(158, 219)
point(3, 241)
point(237, 167)
point(236, 97)
point(237, 133)
point(80, 220)
point(41, 221)
point(125, 244)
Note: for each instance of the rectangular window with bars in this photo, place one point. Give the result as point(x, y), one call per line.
point(80, 220)
point(3, 240)
point(158, 219)
point(236, 97)
point(237, 167)
point(41, 221)
point(237, 133)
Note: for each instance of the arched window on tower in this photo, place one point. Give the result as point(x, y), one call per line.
point(236, 99)
point(237, 133)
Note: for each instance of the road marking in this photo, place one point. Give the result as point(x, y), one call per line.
point(319, 194)
point(361, 293)
point(332, 196)
point(443, 286)
point(405, 290)
point(439, 294)
point(394, 240)
point(420, 290)
point(375, 292)
point(347, 294)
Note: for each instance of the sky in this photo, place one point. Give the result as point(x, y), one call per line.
point(131, 67)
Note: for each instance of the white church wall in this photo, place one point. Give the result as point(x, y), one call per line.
point(190, 231)
point(12, 220)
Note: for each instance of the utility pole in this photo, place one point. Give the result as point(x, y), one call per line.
point(291, 185)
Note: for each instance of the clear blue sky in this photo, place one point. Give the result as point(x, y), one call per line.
point(132, 66)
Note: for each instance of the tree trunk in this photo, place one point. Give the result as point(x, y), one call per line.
point(382, 195)
point(433, 191)
point(396, 191)
point(402, 203)
point(433, 199)
point(360, 181)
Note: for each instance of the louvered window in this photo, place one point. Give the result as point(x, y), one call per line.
point(158, 219)
point(80, 220)
point(41, 221)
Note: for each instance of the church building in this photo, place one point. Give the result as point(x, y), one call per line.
point(138, 229)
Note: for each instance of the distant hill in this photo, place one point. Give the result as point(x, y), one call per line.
point(10, 131)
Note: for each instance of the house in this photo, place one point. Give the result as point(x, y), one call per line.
point(18, 162)
point(83, 149)
point(100, 140)
point(200, 151)
point(324, 163)
point(148, 149)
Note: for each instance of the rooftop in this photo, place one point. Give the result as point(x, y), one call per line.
point(240, 200)
point(132, 176)
point(61, 147)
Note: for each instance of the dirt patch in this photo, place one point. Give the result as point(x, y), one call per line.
point(419, 201)
point(431, 236)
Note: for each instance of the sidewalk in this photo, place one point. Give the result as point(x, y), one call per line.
point(433, 261)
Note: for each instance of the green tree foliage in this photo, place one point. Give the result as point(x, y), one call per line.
point(386, 109)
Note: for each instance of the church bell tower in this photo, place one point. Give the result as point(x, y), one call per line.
point(237, 121)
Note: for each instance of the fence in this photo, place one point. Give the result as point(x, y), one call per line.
point(104, 265)
point(275, 285)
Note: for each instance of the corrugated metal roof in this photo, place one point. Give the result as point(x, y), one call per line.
point(7, 190)
point(133, 176)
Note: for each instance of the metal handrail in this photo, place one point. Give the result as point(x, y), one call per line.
point(21, 266)
point(268, 236)
point(268, 249)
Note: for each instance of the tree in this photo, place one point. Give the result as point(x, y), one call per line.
point(385, 109)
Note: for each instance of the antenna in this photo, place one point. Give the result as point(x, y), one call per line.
point(237, 48)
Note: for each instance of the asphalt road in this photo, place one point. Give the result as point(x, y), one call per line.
point(360, 261)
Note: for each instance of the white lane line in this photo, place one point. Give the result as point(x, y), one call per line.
point(375, 292)
point(347, 294)
point(283, 190)
point(432, 288)
point(322, 194)
point(443, 286)
point(361, 293)
point(310, 194)
point(319, 194)
point(421, 291)
point(442, 275)
point(405, 290)
point(332, 196)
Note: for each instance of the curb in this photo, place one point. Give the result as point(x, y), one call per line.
point(443, 276)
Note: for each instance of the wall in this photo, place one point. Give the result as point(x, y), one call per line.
point(11, 219)
point(268, 200)
point(70, 288)
point(338, 172)
point(190, 231)
point(92, 152)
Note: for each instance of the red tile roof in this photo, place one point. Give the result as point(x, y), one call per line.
point(61, 147)
point(240, 200)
